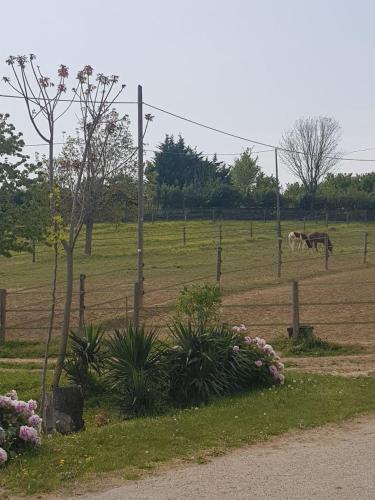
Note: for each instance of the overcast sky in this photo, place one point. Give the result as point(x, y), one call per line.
point(251, 67)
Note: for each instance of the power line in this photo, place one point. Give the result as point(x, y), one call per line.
point(253, 141)
point(157, 150)
point(203, 125)
point(10, 96)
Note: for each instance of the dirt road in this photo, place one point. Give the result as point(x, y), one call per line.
point(333, 462)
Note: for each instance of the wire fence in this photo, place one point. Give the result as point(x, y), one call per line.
point(182, 255)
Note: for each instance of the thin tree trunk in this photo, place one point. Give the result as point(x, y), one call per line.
point(66, 322)
point(54, 283)
point(312, 203)
point(48, 341)
point(88, 235)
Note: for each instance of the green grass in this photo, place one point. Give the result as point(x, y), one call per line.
point(114, 250)
point(315, 347)
point(130, 447)
point(26, 349)
point(111, 271)
point(27, 365)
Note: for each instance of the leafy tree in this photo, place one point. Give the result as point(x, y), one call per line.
point(176, 164)
point(295, 195)
point(111, 154)
point(244, 173)
point(264, 191)
point(23, 201)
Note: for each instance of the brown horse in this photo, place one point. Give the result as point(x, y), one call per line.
point(315, 238)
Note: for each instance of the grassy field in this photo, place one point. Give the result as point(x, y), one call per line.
point(252, 292)
point(128, 448)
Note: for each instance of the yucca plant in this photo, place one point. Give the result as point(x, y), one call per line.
point(136, 371)
point(86, 359)
point(198, 362)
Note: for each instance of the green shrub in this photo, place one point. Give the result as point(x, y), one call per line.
point(195, 363)
point(217, 361)
point(136, 371)
point(85, 363)
point(199, 304)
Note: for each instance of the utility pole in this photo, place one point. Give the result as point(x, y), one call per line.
point(140, 200)
point(278, 217)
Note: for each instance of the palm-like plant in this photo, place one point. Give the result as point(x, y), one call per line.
point(136, 371)
point(198, 363)
point(87, 356)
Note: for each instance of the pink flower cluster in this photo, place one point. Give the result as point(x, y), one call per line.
point(29, 434)
point(239, 329)
point(275, 366)
point(20, 424)
point(10, 402)
point(3, 456)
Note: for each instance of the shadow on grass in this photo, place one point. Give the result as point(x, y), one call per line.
point(315, 346)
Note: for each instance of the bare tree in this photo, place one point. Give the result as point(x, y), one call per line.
point(96, 96)
point(310, 150)
point(42, 97)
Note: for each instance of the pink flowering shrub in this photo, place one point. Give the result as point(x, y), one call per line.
point(205, 362)
point(255, 362)
point(20, 426)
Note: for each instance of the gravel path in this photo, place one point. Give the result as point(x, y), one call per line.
point(332, 462)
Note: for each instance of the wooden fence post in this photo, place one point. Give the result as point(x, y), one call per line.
point(279, 255)
point(220, 235)
point(82, 292)
point(218, 264)
point(251, 230)
point(184, 236)
point(33, 251)
point(3, 314)
point(136, 305)
point(365, 244)
point(295, 310)
point(326, 254)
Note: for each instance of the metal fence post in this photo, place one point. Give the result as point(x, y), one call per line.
point(295, 310)
point(220, 234)
point(82, 292)
point(365, 244)
point(3, 314)
point(251, 230)
point(136, 305)
point(218, 264)
point(184, 236)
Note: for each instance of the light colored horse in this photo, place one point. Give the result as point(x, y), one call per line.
point(298, 241)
